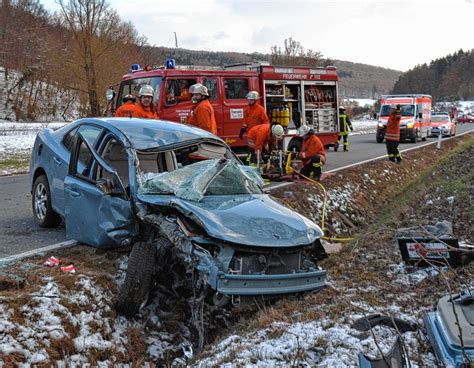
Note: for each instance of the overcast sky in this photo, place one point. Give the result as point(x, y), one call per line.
point(396, 34)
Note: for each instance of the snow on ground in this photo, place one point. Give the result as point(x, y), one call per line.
point(17, 139)
point(362, 102)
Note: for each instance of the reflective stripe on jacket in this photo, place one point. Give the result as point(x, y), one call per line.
point(393, 128)
point(255, 115)
point(312, 146)
point(202, 116)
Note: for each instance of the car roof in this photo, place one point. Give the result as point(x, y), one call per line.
point(149, 133)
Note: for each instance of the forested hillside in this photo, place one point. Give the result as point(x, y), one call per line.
point(449, 78)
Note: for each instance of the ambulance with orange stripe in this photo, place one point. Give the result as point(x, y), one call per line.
point(415, 122)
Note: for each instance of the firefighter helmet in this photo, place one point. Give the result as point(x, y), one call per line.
point(303, 130)
point(129, 97)
point(146, 90)
point(252, 95)
point(199, 88)
point(278, 131)
point(342, 108)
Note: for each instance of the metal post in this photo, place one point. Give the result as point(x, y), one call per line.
point(438, 144)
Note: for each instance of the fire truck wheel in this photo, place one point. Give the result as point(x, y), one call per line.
point(134, 293)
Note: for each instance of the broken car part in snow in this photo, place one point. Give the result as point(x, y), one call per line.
point(431, 243)
point(450, 330)
point(397, 356)
point(372, 320)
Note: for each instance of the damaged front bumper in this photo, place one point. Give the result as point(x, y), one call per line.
point(231, 284)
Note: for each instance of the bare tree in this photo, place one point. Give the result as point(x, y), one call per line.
point(293, 53)
point(99, 41)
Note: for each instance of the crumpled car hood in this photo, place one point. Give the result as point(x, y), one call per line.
point(253, 219)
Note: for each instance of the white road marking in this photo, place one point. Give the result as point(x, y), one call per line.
point(34, 252)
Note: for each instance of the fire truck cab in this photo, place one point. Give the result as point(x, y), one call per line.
point(292, 96)
point(415, 123)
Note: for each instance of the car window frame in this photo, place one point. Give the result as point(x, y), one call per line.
point(96, 160)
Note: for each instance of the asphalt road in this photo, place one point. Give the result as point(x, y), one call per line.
point(19, 233)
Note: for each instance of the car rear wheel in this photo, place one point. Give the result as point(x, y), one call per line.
point(134, 293)
point(41, 204)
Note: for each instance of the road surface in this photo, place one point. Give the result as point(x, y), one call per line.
point(19, 233)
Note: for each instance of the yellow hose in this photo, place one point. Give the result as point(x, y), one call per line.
point(324, 210)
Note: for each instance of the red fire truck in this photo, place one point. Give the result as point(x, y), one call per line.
point(291, 96)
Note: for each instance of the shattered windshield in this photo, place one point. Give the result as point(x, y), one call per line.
point(204, 178)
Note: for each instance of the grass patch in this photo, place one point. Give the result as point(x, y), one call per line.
point(14, 162)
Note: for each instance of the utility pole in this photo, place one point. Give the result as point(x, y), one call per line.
point(175, 40)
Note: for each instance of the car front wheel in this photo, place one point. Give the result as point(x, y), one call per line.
point(41, 203)
point(134, 293)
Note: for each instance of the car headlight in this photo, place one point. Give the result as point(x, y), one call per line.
point(444, 126)
point(410, 124)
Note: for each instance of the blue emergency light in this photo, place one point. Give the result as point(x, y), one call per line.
point(170, 63)
point(135, 68)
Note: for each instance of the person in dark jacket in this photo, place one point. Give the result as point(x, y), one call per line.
point(344, 125)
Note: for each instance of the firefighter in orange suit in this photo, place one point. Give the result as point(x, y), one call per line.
point(184, 94)
point(202, 113)
point(145, 107)
point(312, 153)
point(126, 110)
point(262, 137)
point(254, 114)
point(392, 135)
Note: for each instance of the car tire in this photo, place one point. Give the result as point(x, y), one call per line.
point(134, 293)
point(41, 204)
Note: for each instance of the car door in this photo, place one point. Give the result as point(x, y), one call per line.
point(235, 101)
point(98, 211)
point(60, 162)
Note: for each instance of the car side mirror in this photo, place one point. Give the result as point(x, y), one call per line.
point(375, 116)
point(110, 94)
point(420, 115)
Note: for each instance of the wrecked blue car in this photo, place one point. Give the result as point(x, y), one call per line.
point(176, 194)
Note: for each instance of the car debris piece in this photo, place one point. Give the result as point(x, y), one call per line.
point(367, 322)
point(450, 330)
point(51, 262)
point(432, 243)
point(396, 358)
point(68, 269)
